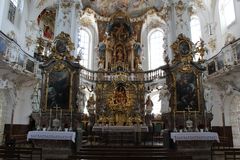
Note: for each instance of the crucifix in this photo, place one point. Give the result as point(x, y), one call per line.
point(188, 110)
point(56, 107)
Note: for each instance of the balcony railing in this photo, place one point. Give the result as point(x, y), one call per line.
point(225, 60)
point(13, 56)
point(139, 76)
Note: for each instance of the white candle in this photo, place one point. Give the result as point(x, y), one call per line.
point(50, 113)
point(61, 114)
point(205, 118)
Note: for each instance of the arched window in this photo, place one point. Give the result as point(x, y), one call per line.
point(84, 47)
point(13, 6)
point(156, 50)
point(195, 29)
point(226, 13)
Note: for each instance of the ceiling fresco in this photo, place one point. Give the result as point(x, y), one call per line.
point(134, 8)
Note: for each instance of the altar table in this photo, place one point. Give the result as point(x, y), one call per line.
point(194, 136)
point(51, 135)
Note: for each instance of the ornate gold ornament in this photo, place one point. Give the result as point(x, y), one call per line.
point(182, 49)
point(62, 47)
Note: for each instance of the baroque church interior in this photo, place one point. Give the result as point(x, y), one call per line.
point(132, 79)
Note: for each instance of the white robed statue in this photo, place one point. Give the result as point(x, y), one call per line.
point(164, 97)
point(149, 105)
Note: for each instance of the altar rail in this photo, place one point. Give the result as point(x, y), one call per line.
point(225, 60)
point(15, 57)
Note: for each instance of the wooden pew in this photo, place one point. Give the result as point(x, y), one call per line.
point(22, 152)
point(220, 149)
point(232, 154)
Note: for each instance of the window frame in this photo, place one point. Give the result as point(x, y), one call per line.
point(223, 20)
point(89, 57)
point(150, 45)
point(12, 11)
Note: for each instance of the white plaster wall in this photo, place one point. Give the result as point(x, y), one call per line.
point(233, 29)
point(24, 105)
point(234, 117)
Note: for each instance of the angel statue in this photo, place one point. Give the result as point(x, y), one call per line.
point(164, 97)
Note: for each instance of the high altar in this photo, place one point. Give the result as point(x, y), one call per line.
point(120, 101)
point(120, 85)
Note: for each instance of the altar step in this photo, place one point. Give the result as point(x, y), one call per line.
point(130, 152)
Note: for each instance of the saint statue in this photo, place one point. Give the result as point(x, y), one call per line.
point(80, 101)
point(208, 97)
point(164, 96)
point(149, 105)
point(90, 105)
point(35, 97)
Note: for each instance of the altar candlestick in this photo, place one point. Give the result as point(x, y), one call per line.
point(174, 123)
point(195, 116)
point(40, 113)
point(71, 116)
point(184, 118)
point(56, 111)
point(50, 113)
point(50, 119)
point(205, 119)
point(61, 114)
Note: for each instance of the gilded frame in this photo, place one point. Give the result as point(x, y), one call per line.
point(187, 92)
point(55, 77)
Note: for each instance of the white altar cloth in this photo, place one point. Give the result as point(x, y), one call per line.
point(194, 136)
point(120, 129)
point(52, 135)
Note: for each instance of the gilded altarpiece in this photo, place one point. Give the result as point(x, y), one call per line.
point(60, 82)
point(185, 80)
point(120, 101)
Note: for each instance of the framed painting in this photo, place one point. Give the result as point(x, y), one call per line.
point(3, 46)
point(30, 65)
point(186, 91)
point(58, 89)
point(220, 63)
point(211, 67)
point(238, 52)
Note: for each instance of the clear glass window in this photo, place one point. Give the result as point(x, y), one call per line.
point(83, 47)
point(227, 12)
point(195, 25)
point(156, 49)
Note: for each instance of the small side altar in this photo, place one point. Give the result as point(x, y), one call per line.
point(194, 136)
point(192, 141)
point(52, 135)
point(60, 143)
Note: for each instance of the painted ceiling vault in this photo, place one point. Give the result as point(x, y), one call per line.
point(134, 8)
